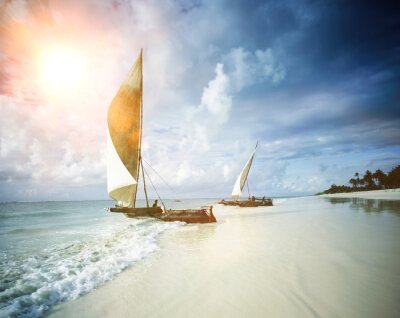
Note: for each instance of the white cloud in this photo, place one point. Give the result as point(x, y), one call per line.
point(247, 68)
point(216, 98)
point(35, 149)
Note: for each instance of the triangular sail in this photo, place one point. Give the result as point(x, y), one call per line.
point(124, 138)
point(241, 180)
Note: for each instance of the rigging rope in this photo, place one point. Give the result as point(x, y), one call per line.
point(162, 202)
point(159, 175)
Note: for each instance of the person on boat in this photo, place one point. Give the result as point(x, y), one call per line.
point(263, 199)
point(253, 198)
point(155, 203)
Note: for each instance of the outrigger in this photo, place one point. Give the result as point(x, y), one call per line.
point(125, 117)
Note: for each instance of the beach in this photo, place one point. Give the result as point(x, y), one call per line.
point(389, 194)
point(303, 257)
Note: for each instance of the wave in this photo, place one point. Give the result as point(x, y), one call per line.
point(30, 286)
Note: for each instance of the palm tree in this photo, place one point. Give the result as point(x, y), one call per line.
point(357, 175)
point(380, 178)
point(393, 178)
point(368, 180)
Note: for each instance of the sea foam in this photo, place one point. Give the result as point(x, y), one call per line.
point(31, 285)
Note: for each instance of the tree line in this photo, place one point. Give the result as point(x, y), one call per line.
point(369, 181)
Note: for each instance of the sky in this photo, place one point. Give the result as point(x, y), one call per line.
point(316, 83)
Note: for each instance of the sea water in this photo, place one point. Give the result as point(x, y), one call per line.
point(51, 252)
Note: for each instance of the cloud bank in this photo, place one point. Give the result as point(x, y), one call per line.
point(318, 89)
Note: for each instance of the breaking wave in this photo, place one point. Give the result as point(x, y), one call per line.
point(30, 285)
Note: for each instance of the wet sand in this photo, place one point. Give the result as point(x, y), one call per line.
point(303, 257)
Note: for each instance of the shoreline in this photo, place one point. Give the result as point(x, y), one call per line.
point(294, 259)
point(388, 194)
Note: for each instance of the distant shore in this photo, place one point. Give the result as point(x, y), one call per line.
point(389, 194)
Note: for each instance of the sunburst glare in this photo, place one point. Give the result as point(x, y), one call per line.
point(62, 68)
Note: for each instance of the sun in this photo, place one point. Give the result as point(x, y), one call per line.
point(61, 68)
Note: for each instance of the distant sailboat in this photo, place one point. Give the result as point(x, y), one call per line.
point(239, 185)
point(242, 178)
point(124, 157)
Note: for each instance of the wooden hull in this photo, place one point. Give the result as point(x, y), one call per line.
point(248, 203)
point(137, 212)
point(189, 216)
point(202, 215)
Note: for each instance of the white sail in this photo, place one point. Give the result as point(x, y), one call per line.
point(241, 180)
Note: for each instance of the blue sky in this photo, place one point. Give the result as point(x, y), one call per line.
point(315, 82)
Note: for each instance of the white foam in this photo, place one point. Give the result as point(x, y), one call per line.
point(67, 272)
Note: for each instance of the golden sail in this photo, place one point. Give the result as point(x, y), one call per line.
point(125, 134)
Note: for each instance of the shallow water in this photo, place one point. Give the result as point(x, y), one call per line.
point(57, 251)
point(303, 257)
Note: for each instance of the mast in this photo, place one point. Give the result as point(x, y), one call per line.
point(140, 129)
point(144, 183)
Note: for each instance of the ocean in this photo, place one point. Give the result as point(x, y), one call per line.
point(304, 256)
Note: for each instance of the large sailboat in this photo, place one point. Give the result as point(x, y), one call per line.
point(239, 185)
point(124, 156)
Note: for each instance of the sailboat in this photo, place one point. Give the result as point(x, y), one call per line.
point(239, 185)
point(124, 155)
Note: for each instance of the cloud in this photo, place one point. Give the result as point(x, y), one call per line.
point(270, 68)
point(216, 99)
point(247, 68)
point(207, 120)
point(37, 148)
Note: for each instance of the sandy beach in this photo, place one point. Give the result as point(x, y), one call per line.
point(390, 194)
point(303, 257)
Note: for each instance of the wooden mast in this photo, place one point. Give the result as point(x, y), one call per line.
point(144, 183)
point(141, 124)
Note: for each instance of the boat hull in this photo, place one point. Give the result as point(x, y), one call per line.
point(137, 212)
point(248, 203)
point(203, 215)
point(189, 216)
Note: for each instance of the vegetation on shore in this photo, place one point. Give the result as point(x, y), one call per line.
point(370, 181)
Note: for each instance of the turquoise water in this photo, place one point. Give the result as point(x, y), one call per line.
point(51, 252)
